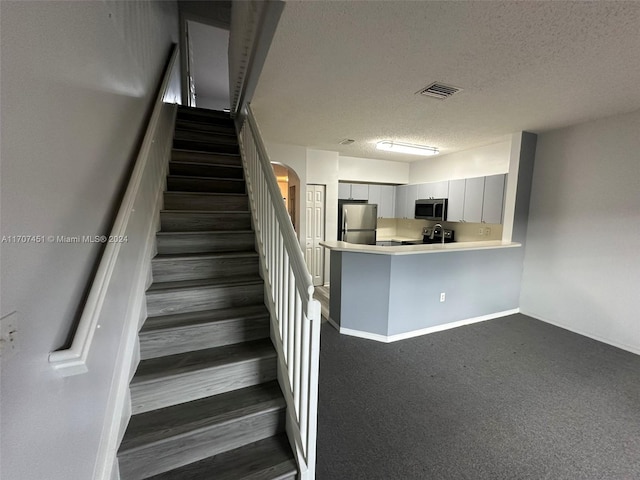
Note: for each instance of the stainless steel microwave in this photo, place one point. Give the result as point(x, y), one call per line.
point(431, 209)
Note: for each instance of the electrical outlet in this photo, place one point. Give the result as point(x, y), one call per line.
point(481, 231)
point(9, 345)
point(442, 296)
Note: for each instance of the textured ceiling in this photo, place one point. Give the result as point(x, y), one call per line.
point(350, 69)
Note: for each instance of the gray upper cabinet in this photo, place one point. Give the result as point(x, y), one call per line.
point(412, 196)
point(344, 191)
point(455, 211)
point(353, 191)
point(476, 199)
point(433, 190)
point(386, 205)
point(473, 195)
point(493, 200)
point(384, 196)
point(360, 191)
point(401, 201)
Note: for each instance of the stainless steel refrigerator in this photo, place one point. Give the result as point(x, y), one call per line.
point(357, 222)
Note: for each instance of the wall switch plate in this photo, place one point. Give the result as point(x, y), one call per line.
point(443, 296)
point(9, 344)
point(487, 231)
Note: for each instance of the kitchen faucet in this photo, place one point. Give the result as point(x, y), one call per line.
point(433, 231)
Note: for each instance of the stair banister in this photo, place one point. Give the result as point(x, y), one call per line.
point(295, 313)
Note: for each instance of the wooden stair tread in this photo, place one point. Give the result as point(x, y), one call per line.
point(204, 164)
point(194, 125)
point(206, 212)
point(190, 319)
point(203, 232)
point(198, 152)
point(204, 111)
point(202, 194)
point(268, 459)
point(193, 177)
point(180, 364)
point(157, 425)
point(206, 282)
point(203, 256)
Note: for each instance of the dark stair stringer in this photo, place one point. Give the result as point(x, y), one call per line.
point(205, 400)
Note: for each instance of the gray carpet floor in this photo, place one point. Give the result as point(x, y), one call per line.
point(511, 398)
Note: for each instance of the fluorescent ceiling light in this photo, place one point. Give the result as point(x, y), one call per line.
point(398, 147)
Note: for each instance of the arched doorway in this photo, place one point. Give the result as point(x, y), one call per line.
point(289, 184)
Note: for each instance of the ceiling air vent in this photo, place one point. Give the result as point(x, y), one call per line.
point(439, 90)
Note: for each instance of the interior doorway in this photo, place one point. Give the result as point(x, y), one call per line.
point(314, 232)
point(289, 184)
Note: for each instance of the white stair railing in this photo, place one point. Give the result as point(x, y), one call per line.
point(295, 313)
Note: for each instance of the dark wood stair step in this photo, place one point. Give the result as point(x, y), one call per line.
point(171, 437)
point(197, 295)
point(173, 268)
point(179, 155)
point(170, 380)
point(183, 183)
point(202, 221)
point(205, 146)
point(205, 137)
point(206, 170)
point(196, 126)
point(221, 202)
point(268, 459)
point(178, 333)
point(204, 115)
point(203, 242)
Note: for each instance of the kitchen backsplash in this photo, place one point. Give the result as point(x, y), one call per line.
point(464, 232)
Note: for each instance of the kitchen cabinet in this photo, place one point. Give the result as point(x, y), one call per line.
point(406, 196)
point(493, 200)
point(473, 195)
point(401, 201)
point(353, 191)
point(412, 196)
point(476, 199)
point(455, 209)
point(384, 197)
point(344, 191)
point(360, 191)
point(433, 190)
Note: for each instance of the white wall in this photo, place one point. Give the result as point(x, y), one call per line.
point(78, 79)
point(582, 263)
point(477, 162)
point(369, 170)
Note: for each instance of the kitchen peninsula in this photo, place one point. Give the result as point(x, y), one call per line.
point(387, 293)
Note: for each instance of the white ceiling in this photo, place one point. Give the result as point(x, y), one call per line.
point(350, 69)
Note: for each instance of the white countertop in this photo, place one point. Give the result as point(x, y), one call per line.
point(396, 238)
point(416, 249)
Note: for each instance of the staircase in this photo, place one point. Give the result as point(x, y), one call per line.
point(205, 399)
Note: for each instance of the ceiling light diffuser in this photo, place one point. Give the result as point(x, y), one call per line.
point(398, 147)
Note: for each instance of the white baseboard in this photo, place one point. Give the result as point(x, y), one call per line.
point(423, 331)
point(622, 346)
